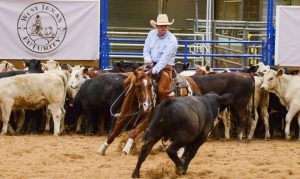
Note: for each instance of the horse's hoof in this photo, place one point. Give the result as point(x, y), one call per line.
point(124, 153)
point(100, 151)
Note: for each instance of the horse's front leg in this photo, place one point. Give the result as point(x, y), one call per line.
point(120, 124)
point(134, 133)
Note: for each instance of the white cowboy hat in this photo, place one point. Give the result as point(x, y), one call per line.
point(162, 19)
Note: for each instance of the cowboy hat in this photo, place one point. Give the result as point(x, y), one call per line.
point(162, 19)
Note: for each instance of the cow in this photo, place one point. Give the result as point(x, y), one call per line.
point(95, 98)
point(261, 104)
point(5, 66)
point(180, 67)
point(77, 78)
point(124, 66)
point(287, 88)
point(187, 122)
point(276, 110)
point(32, 91)
point(241, 85)
point(31, 66)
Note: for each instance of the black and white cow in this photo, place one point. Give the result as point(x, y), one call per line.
point(187, 122)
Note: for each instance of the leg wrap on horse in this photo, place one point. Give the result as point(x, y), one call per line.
point(103, 148)
point(127, 147)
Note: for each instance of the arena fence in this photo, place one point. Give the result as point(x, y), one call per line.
point(193, 51)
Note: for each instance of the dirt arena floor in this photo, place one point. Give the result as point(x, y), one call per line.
point(74, 156)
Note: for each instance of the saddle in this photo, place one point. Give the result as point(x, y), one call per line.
point(179, 83)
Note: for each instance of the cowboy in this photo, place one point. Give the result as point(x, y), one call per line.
point(159, 53)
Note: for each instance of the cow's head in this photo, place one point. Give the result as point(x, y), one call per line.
point(144, 89)
point(5, 66)
point(262, 69)
point(34, 66)
point(77, 78)
point(271, 79)
point(179, 67)
point(52, 65)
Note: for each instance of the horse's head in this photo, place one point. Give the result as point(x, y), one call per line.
point(144, 89)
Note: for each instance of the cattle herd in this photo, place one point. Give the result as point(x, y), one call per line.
point(257, 102)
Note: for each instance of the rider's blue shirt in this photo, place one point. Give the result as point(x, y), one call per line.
point(161, 50)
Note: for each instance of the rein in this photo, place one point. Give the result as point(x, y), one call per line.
point(118, 114)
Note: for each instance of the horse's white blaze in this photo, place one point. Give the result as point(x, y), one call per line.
point(145, 105)
point(145, 82)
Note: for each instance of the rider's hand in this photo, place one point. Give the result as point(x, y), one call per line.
point(149, 64)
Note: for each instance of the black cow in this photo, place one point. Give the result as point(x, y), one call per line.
point(179, 67)
point(124, 66)
point(240, 85)
point(187, 122)
point(95, 98)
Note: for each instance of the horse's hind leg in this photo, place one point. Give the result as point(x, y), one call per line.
point(134, 133)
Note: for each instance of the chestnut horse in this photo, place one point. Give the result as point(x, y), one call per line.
point(140, 98)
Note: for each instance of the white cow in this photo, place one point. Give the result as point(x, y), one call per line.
point(287, 88)
point(77, 78)
point(32, 91)
point(54, 67)
point(5, 66)
point(262, 68)
point(261, 102)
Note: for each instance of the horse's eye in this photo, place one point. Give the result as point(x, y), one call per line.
point(271, 79)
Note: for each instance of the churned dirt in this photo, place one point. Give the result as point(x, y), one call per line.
point(74, 156)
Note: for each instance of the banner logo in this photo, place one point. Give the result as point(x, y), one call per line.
point(42, 27)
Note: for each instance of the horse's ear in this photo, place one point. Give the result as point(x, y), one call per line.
point(130, 79)
point(148, 73)
point(135, 71)
point(135, 68)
